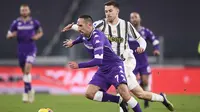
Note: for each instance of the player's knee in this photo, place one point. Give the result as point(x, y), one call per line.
point(145, 80)
point(90, 94)
point(27, 68)
point(138, 92)
point(140, 95)
point(124, 92)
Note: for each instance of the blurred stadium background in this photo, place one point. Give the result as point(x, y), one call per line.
point(176, 71)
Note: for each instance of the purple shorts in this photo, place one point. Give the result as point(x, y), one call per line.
point(26, 58)
point(114, 76)
point(142, 69)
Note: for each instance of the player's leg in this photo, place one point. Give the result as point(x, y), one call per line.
point(28, 78)
point(150, 96)
point(118, 79)
point(124, 92)
point(135, 88)
point(145, 71)
point(22, 61)
point(96, 91)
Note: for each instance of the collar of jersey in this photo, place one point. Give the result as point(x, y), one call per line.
point(20, 19)
point(91, 35)
point(115, 24)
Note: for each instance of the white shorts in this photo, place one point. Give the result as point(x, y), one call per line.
point(129, 66)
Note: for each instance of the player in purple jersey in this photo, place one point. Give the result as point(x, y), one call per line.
point(110, 66)
point(142, 65)
point(27, 30)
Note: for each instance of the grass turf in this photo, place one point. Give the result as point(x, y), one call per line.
point(75, 103)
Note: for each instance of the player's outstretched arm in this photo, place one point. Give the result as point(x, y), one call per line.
point(98, 54)
point(69, 43)
point(69, 27)
point(97, 24)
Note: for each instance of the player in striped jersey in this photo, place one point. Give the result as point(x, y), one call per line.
point(117, 31)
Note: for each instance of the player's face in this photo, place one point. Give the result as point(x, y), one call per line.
point(111, 12)
point(24, 11)
point(135, 19)
point(83, 26)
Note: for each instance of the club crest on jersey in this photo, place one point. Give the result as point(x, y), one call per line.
point(31, 22)
point(115, 39)
point(19, 23)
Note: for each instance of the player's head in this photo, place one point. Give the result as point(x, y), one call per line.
point(25, 10)
point(85, 24)
point(111, 10)
point(135, 18)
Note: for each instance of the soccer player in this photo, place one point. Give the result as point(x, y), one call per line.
point(142, 65)
point(27, 30)
point(117, 31)
point(111, 68)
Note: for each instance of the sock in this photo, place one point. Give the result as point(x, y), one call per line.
point(134, 105)
point(157, 97)
point(105, 97)
point(27, 83)
point(146, 88)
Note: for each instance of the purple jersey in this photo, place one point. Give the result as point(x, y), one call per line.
point(148, 35)
point(111, 68)
point(100, 50)
point(25, 32)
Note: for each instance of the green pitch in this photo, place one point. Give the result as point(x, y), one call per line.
point(68, 103)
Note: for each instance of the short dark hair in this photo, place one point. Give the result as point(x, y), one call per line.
point(87, 18)
point(113, 3)
point(24, 5)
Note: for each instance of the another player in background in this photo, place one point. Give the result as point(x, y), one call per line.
point(110, 66)
point(26, 30)
point(142, 65)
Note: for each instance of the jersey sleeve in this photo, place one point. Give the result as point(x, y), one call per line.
point(132, 32)
point(99, 24)
point(13, 26)
point(152, 38)
point(78, 40)
point(38, 27)
point(98, 44)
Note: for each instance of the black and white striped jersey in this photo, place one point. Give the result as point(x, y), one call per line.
point(118, 34)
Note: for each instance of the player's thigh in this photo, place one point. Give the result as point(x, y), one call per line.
point(116, 76)
point(91, 91)
point(137, 91)
point(145, 71)
point(132, 81)
point(124, 91)
point(100, 81)
point(30, 59)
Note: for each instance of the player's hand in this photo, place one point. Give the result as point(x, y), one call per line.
point(139, 50)
point(156, 53)
point(68, 43)
point(11, 34)
point(35, 37)
point(68, 27)
point(73, 65)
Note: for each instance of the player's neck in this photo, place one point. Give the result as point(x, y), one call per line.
point(137, 27)
point(115, 21)
point(26, 18)
point(88, 35)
